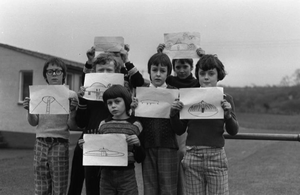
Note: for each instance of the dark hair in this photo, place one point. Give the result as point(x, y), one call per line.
point(116, 91)
point(160, 59)
point(182, 61)
point(105, 58)
point(208, 62)
point(57, 62)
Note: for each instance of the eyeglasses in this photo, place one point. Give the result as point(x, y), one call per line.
point(56, 71)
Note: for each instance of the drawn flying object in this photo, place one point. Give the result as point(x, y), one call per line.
point(149, 102)
point(203, 109)
point(103, 152)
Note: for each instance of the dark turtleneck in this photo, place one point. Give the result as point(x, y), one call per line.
point(188, 82)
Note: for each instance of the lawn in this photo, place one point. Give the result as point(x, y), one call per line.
point(269, 121)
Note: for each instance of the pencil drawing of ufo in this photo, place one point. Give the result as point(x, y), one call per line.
point(104, 152)
point(149, 102)
point(109, 46)
point(97, 89)
point(203, 109)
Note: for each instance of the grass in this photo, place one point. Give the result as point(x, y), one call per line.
point(269, 121)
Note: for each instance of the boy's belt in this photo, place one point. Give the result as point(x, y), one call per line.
point(52, 139)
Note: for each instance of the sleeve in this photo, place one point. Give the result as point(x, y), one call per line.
point(135, 77)
point(72, 116)
point(88, 68)
point(82, 114)
point(101, 123)
point(231, 125)
point(178, 126)
point(139, 151)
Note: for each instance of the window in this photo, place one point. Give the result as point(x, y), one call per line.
point(70, 81)
point(25, 80)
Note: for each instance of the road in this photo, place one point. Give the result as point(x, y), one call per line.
point(255, 167)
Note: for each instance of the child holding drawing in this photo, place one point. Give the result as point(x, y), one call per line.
point(121, 180)
point(51, 151)
point(89, 115)
point(205, 141)
point(160, 167)
point(183, 79)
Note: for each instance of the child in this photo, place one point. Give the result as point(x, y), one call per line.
point(89, 115)
point(205, 141)
point(183, 79)
point(121, 180)
point(160, 167)
point(51, 151)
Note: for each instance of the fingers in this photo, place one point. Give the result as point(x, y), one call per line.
point(200, 52)
point(160, 48)
point(26, 103)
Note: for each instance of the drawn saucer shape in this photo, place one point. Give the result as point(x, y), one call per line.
point(149, 102)
point(180, 47)
point(48, 99)
point(103, 152)
point(203, 109)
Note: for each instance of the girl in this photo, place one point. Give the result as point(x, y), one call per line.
point(205, 161)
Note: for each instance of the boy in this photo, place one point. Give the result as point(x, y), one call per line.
point(89, 116)
point(51, 151)
point(160, 167)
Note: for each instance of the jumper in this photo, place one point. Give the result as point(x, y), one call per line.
point(128, 126)
point(188, 82)
point(52, 125)
point(207, 132)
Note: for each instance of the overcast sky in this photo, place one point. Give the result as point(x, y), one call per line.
point(257, 40)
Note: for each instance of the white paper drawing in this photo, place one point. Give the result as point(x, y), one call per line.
point(155, 102)
point(105, 150)
point(111, 44)
point(49, 99)
point(182, 45)
point(201, 103)
point(96, 83)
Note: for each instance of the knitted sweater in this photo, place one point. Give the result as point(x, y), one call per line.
point(54, 125)
point(207, 132)
point(158, 132)
point(128, 126)
point(188, 82)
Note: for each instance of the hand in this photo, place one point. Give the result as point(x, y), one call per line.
point(91, 54)
point(200, 52)
point(176, 107)
point(81, 91)
point(80, 143)
point(160, 48)
point(26, 103)
point(124, 54)
point(227, 109)
point(73, 104)
point(134, 104)
point(127, 47)
point(133, 140)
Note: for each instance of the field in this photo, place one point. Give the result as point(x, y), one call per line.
point(269, 121)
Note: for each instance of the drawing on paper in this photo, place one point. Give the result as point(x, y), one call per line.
point(104, 152)
point(203, 109)
point(50, 102)
point(96, 90)
point(185, 42)
point(149, 102)
point(107, 46)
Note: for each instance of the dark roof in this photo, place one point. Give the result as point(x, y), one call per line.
point(43, 56)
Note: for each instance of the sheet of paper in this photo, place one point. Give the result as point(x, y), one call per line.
point(97, 83)
point(105, 150)
point(155, 102)
point(111, 44)
point(182, 45)
point(201, 103)
point(49, 99)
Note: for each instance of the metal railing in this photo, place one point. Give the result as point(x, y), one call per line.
point(264, 136)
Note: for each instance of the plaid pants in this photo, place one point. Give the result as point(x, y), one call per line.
point(51, 168)
point(206, 171)
point(160, 171)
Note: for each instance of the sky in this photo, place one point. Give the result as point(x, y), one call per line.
point(258, 41)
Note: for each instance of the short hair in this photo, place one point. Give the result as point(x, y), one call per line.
point(116, 91)
point(208, 62)
point(160, 59)
point(105, 58)
point(189, 61)
point(58, 62)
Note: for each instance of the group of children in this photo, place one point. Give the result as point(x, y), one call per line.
point(177, 156)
